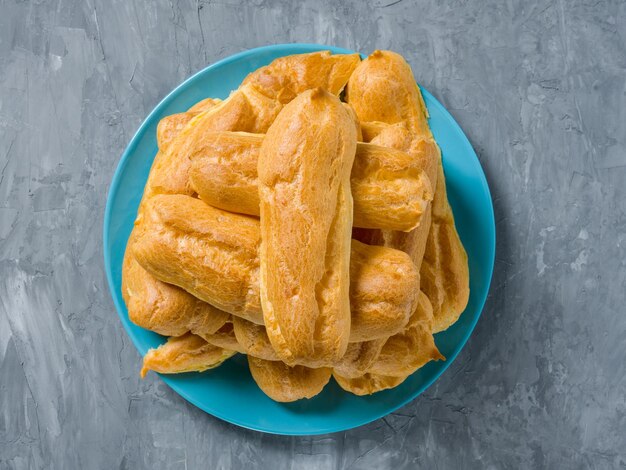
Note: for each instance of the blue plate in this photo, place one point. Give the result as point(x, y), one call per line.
point(229, 392)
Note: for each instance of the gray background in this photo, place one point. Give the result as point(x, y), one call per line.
point(538, 86)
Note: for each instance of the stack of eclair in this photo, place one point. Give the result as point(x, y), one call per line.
point(303, 221)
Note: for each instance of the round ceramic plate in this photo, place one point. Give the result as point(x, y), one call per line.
point(229, 392)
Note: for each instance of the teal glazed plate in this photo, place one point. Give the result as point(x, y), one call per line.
point(229, 392)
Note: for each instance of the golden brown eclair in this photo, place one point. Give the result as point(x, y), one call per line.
point(287, 77)
point(306, 222)
point(382, 88)
point(164, 308)
point(389, 188)
point(383, 282)
point(187, 353)
point(285, 384)
point(399, 128)
point(210, 253)
point(401, 123)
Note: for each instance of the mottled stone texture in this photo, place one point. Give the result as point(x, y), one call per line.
point(540, 89)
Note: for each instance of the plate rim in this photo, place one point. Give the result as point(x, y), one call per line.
point(114, 187)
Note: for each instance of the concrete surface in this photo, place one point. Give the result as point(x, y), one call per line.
point(540, 89)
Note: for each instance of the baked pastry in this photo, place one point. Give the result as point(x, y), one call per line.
point(306, 222)
point(287, 77)
point(210, 253)
point(283, 383)
point(320, 285)
point(187, 353)
point(389, 187)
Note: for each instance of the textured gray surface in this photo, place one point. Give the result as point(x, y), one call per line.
point(538, 86)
